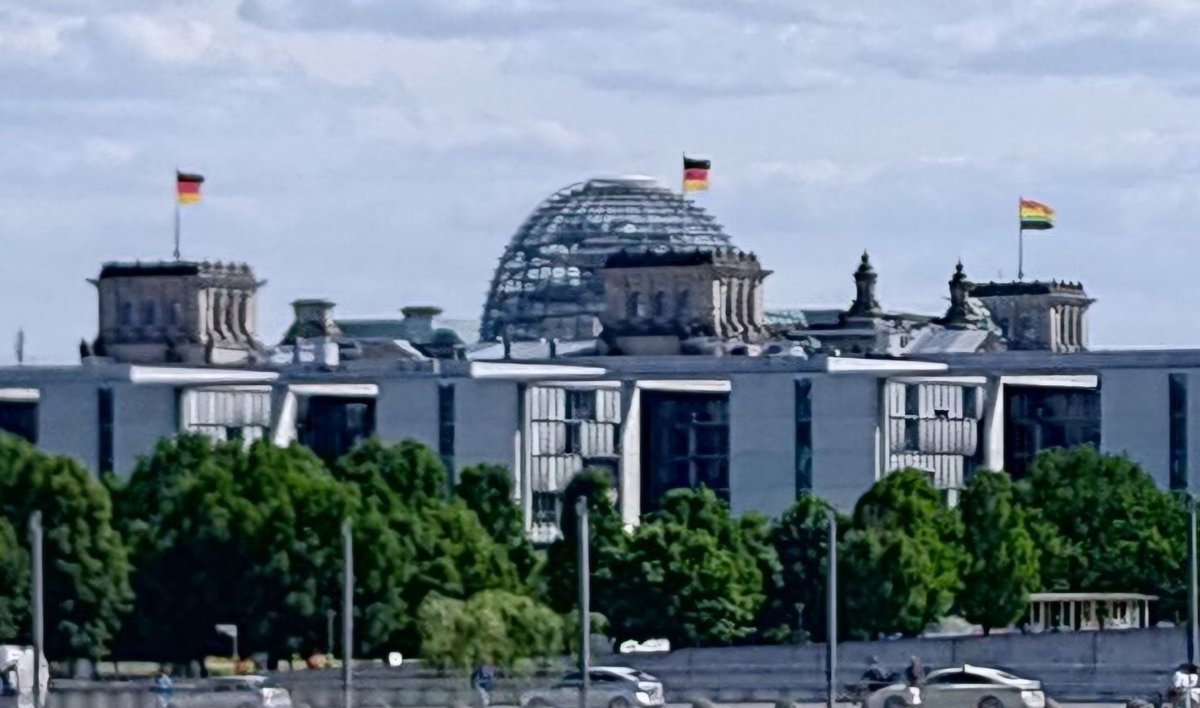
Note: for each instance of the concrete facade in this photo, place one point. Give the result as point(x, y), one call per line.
point(862, 423)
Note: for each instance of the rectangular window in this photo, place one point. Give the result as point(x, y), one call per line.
point(545, 507)
point(912, 435)
point(105, 416)
point(1040, 418)
point(1177, 403)
point(331, 426)
point(20, 419)
point(804, 436)
point(912, 400)
point(685, 444)
point(446, 427)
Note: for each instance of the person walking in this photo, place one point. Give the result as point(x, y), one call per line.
point(483, 680)
point(164, 688)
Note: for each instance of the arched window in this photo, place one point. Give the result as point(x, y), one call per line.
point(660, 304)
point(633, 306)
point(125, 314)
point(683, 302)
point(147, 314)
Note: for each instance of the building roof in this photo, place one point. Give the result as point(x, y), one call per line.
point(550, 268)
point(1036, 287)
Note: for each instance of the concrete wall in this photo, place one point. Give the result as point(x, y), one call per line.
point(408, 408)
point(1134, 418)
point(845, 437)
point(486, 422)
point(762, 443)
point(69, 421)
point(142, 415)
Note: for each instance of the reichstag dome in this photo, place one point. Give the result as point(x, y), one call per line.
point(548, 283)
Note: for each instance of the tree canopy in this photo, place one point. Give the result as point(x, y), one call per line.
point(1102, 525)
point(690, 575)
point(1001, 564)
point(86, 564)
point(901, 559)
point(797, 610)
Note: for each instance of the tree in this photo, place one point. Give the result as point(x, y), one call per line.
point(245, 537)
point(1101, 525)
point(492, 625)
point(796, 608)
point(442, 546)
point(14, 586)
point(901, 559)
point(1001, 567)
point(86, 563)
point(689, 576)
point(404, 474)
point(608, 541)
point(487, 490)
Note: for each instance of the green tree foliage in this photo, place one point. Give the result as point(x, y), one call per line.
point(14, 586)
point(690, 575)
point(796, 608)
point(252, 537)
point(441, 546)
point(901, 559)
point(222, 535)
point(1001, 567)
point(608, 542)
point(1101, 525)
point(487, 490)
point(494, 626)
point(86, 563)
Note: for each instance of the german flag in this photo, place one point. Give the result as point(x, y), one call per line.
point(695, 174)
point(1035, 216)
point(187, 186)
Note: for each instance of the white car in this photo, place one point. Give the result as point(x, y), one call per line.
point(608, 687)
point(231, 692)
point(963, 686)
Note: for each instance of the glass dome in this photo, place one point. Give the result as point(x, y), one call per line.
point(548, 282)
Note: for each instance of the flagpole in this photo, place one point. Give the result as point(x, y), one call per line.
point(683, 177)
point(1020, 243)
point(176, 213)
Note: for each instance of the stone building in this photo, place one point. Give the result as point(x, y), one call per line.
point(1038, 316)
point(683, 302)
point(187, 312)
point(548, 283)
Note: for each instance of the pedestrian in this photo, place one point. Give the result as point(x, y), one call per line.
point(915, 673)
point(482, 681)
point(164, 688)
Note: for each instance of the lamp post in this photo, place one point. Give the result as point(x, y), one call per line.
point(1193, 628)
point(347, 612)
point(831, 597)
point(585, 604)
point(39, 639)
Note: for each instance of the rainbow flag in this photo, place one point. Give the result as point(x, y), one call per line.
point(695, 174)
point(1035, 215)
point(187, 186)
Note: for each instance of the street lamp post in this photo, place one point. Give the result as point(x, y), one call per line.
point(39, 639)
point(585, 604)
point(1193, 629)
point(347, 612)
point(831, 590)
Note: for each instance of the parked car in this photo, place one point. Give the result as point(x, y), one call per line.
point(231, 692)
point(961, 686)
point(608, 687)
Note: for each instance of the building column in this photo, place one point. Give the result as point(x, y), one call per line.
point(993, 424)
point(630, 468)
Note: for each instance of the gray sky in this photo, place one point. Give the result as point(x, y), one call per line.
point(381, 153)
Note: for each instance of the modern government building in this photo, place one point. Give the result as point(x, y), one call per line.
point(623, 331)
